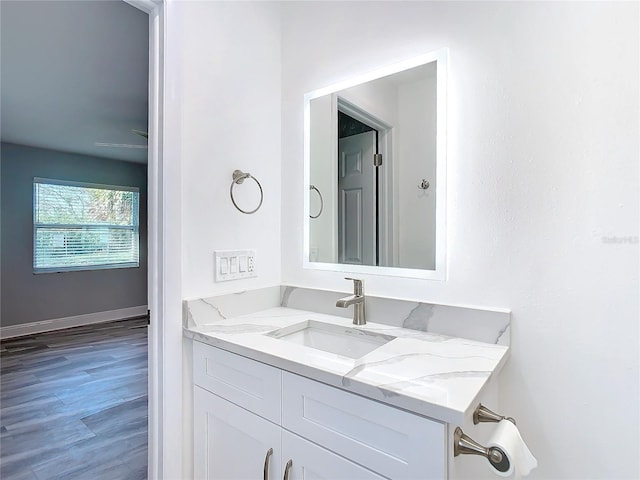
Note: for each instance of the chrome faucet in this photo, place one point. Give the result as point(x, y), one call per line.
point(357, 300)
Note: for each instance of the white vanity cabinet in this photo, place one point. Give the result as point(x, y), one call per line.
point(244, 409)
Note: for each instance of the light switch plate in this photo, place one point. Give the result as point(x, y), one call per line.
point(234, 264)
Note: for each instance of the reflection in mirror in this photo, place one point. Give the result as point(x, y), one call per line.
point(375, 152)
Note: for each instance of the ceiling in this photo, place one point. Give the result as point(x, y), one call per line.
point(74, 73)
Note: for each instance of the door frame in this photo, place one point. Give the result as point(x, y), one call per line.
point(387, 201)
point(164, 270)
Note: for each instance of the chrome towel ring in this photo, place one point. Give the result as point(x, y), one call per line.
point(238, 178)
point(313, 187)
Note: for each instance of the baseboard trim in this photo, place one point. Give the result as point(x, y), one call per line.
point(11, 331)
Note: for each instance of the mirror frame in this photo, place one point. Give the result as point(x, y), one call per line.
point(440, 56)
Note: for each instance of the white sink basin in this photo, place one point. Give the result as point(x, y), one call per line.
point(345, 341)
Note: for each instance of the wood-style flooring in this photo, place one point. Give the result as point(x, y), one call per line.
point(73, 403)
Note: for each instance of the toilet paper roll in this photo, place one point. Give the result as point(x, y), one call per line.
point(507, 438)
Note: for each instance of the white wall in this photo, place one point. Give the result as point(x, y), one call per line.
point(230, 92)
point(543, 163)
point(222, 89)
point(323, 230)
point(417, 160)
point(376, 97)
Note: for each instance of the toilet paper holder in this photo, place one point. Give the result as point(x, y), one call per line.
point(483, 414)
point(463, 444)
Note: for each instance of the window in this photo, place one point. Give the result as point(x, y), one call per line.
point(82, 226)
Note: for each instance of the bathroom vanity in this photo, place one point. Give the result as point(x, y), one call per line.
point(292, 394)
point(251, 417)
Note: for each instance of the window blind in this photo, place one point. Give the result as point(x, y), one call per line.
point(82, 226)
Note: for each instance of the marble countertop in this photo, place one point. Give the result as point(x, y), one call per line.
point(434, 375)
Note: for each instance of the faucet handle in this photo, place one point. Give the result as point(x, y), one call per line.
point(358, 285)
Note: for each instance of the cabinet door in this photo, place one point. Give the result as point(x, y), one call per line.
point(231, 443)
point(312, 462)
point(392, 442)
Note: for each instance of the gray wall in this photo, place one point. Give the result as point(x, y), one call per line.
point(30, 298)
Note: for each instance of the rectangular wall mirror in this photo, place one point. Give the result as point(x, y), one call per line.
point(375, 165)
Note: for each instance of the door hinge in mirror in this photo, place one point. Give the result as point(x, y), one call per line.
point(377, 159)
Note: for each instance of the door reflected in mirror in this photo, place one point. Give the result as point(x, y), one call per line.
point(375, 164)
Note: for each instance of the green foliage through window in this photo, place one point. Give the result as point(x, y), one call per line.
point(84, 226)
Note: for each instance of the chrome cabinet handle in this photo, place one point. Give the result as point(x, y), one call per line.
point(286, 469)
point(267, 461)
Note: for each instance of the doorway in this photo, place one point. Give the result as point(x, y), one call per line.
point(164, 280)
point(365, 171)
point(156, 260)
